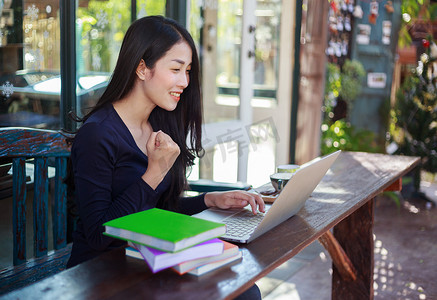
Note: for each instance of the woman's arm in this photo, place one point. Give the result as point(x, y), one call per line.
point(192, 205)
point(94, 157)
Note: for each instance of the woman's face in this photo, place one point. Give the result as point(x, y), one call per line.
point(165, 83)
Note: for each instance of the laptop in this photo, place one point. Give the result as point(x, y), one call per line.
point(291, 199)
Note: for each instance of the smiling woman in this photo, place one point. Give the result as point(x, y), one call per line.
point(130, 154)
point(134, 147)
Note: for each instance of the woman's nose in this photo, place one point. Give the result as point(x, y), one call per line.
point(183, 80)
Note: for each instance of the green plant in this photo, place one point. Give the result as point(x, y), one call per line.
point(352, 75)
point(341, 135)
point(332, 90)
point(413, 11)
point(414, 127)
point(342, 87)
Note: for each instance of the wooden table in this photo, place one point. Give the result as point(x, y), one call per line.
point(343, 201)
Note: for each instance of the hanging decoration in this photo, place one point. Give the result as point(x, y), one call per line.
point(340, 20)
point(386, 32)
point(389, 7)
point(350, 6)
point(102, 19)
point(358, 12)
point(334, 6)
point(32, 12)
point(7, 89)
point(374, 8)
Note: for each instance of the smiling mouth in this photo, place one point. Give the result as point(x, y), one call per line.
point(174, 94)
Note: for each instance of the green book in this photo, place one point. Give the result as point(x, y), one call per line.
point(164, 230)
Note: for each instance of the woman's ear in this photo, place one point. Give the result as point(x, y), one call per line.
point(142, 70)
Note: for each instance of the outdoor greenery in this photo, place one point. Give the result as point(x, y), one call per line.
point(332, 91)
point(352, 76)
point(101, 26)
point(414, 127)
point(341, 135)
point(412, 11)
point(413, 124)
point(342, 87)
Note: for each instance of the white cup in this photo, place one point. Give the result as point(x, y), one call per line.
point(287, 168)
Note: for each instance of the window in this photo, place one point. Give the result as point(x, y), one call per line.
point(29, 63)
point(30, 36)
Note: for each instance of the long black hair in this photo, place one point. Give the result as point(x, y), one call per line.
point(149, 39)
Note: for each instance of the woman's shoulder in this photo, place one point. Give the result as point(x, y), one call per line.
point(102, 115)
point(104, 119)
point(100, 126)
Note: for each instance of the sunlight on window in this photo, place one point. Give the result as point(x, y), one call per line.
point(225, 162)
point(261, 164)
point(193, 172)
point(90, 81)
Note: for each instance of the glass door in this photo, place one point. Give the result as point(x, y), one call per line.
point(238, 43)
point(221, 30)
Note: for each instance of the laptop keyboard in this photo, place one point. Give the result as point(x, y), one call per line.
point(242, 223)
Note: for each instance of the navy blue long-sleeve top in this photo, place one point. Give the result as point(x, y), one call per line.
point(108, 166)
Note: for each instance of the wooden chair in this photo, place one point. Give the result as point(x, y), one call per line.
point(36, 148)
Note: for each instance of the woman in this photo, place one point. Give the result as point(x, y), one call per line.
point(131, 152)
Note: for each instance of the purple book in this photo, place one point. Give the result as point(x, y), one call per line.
point(159, 260)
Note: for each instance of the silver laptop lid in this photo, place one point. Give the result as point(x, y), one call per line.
point(298, 189)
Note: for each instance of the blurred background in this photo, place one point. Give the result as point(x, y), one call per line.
point(282, 81)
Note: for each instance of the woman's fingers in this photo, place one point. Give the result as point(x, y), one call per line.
point(151, 142)
point(164, 142)
point(162, 151)
point(254, 200)
point(235, 199)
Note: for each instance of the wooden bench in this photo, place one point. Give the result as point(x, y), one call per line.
point(43, 149)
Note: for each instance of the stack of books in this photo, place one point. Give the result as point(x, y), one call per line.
point(167, 239)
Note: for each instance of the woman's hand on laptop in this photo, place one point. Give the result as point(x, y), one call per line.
point(235, 199)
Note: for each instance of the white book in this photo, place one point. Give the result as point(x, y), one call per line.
point(201, 270)
point(229, 250)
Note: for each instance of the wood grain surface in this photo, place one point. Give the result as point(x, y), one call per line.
point(348, 187)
